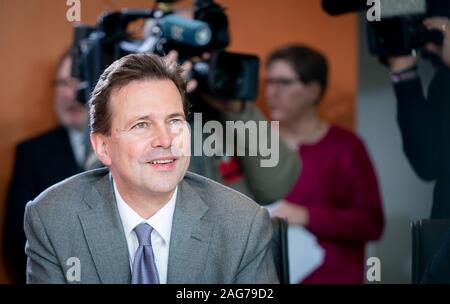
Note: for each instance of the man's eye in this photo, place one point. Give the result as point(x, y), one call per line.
point(140, 125)
point(176, 121)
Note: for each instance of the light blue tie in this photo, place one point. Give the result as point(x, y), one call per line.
point(144, 267)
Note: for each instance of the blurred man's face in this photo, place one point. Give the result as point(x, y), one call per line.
point(71, 113)
point(286, 95)
point(149, 145)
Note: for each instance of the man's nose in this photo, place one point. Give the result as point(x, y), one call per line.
point(162, 137)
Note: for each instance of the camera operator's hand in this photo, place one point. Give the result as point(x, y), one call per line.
point(186, 68)
point(441, 24)
point(401, 63)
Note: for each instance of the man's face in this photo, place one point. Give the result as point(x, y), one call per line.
point(287, 96)
point(71, 113)
point(149, 145)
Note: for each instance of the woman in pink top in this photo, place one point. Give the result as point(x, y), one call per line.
point(336, 197)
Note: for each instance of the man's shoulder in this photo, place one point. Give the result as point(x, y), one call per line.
point(69, 192)
point(44, 139)
point(220, 198)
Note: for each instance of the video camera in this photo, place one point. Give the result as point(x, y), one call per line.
point(225, 75)
point(400, 30)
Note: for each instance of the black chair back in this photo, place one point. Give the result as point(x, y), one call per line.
point(427, 237)
point(280, 249)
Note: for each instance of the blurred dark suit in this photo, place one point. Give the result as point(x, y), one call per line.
point(39, 163)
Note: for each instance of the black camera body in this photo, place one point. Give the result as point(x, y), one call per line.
point(400, 32)
point(225, 75)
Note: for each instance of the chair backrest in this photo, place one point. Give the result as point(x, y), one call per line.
point(280, 249)
point(427, 237)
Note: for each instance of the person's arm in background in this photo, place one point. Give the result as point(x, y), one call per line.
point(361, 220)
point(21, 190)
point(271, 183)
point(418, 120)
point(417, 116)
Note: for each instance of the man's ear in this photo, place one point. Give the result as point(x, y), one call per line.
point(100, 145)
point(314, 90)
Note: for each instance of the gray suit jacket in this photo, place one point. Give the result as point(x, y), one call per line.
point(218, 235)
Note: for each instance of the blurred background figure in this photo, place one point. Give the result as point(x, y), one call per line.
point(425, 126)
point(336, 196)
point(45, 160)
point(423, 120)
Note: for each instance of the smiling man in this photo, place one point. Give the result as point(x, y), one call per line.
point(144, 219)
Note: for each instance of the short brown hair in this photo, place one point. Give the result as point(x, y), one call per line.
point(133, 67)
point(308, 63)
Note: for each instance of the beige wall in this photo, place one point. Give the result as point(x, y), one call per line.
point(33, 33)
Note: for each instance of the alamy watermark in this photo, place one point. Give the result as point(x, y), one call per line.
point(73, 13)
point(374, 12)
point(373, 272)
point(73, 273)
point(229, 138)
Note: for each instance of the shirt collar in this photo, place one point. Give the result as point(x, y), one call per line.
point(75, 134)
point(161, 221)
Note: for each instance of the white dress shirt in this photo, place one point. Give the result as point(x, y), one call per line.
point(160, 237)
point(78, 144)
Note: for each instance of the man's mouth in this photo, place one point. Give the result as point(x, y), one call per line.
point(162, 161)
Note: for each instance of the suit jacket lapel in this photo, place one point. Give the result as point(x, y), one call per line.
point(190, 238)
point(104, 234)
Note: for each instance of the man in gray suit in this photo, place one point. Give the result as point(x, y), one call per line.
point(144, 219)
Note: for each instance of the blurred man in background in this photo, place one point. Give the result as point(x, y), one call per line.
point(45, 160)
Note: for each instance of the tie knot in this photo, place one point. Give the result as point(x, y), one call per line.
point(143, 233)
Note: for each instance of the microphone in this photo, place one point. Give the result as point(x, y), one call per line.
point(175, 28)
point(186, 31)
